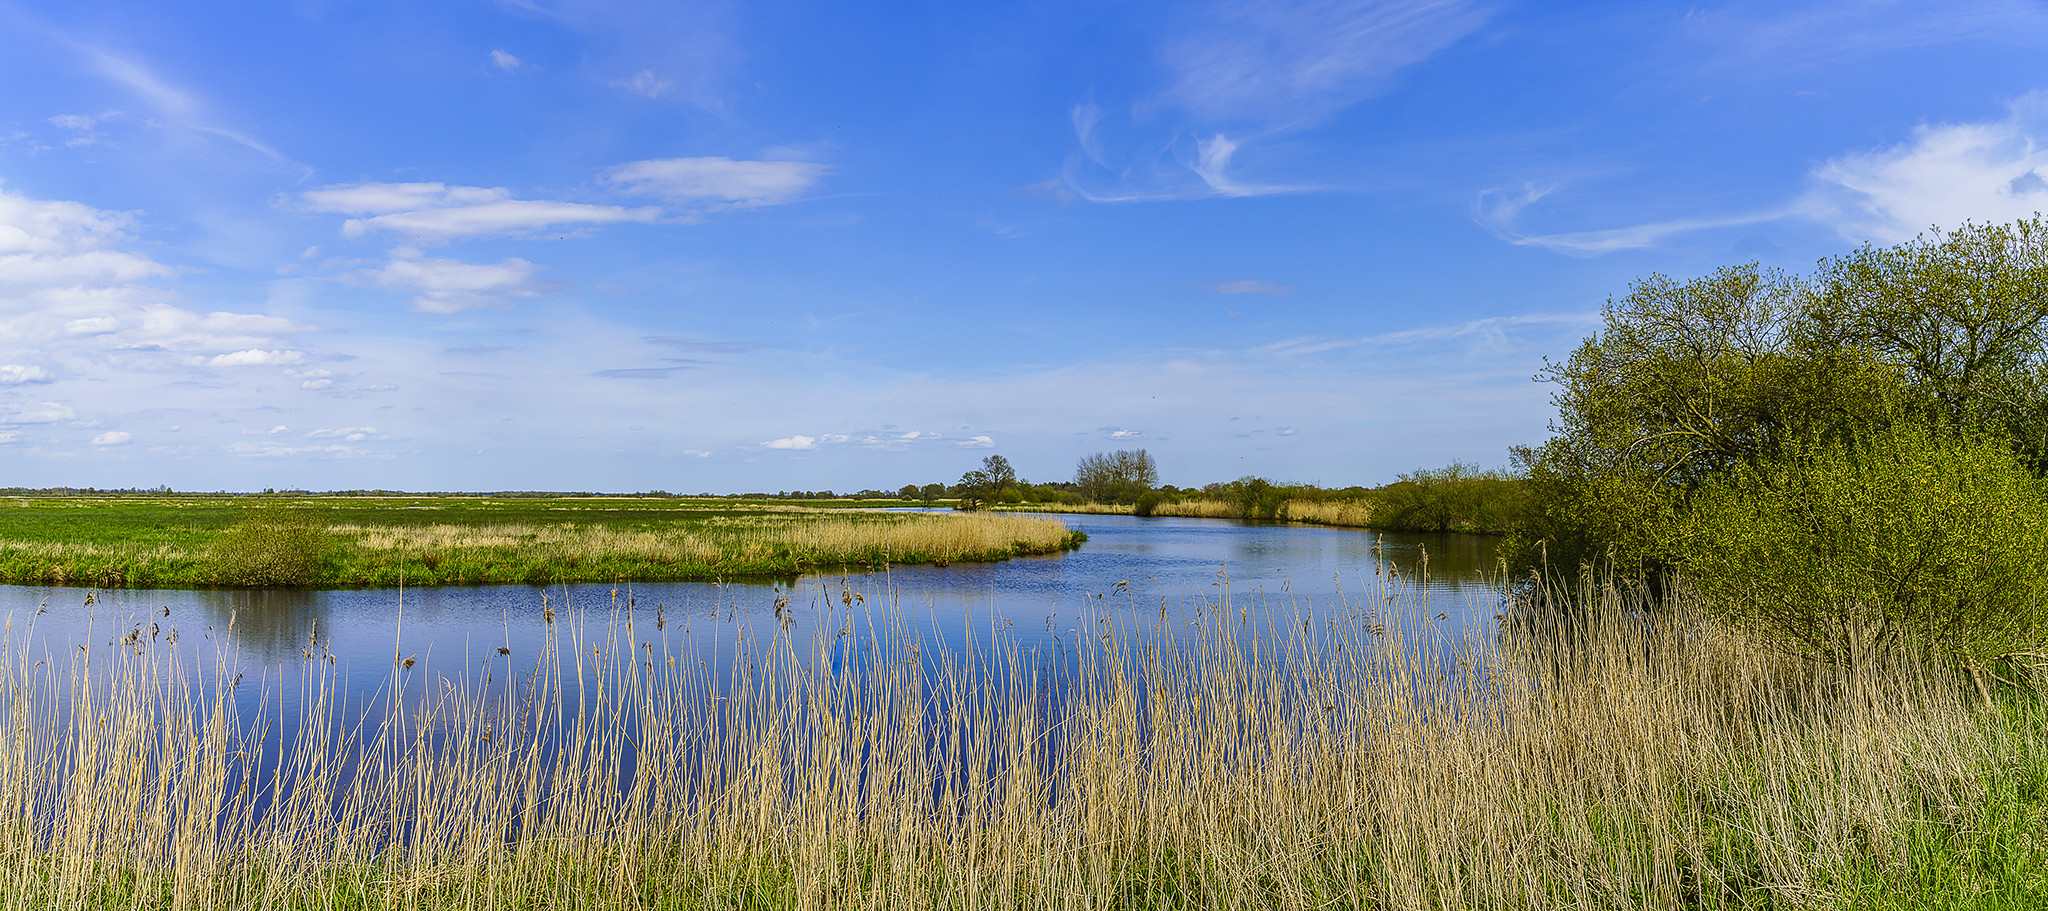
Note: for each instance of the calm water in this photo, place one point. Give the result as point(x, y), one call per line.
point(1141, 571)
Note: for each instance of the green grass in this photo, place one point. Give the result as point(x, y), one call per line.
point(196, 541)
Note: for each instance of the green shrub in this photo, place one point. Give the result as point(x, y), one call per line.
point(271, 547)
point(1907, 537)
point(1458, 497)
point(1148, 503)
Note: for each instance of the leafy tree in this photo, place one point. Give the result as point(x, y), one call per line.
point(930, 492)
point(988, 484)
point(1961, 314)
point(1116, 477)
point(1686, 381)
point(1910, 535)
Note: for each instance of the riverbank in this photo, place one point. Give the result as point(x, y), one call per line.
point(1354, 513)
point(1362, 761)
point(185, 542)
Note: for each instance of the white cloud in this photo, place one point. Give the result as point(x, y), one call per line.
point(253, 357)
point(1249, 72)
point(1500, 212)
point(648, 83)
point(720, 180)
point(697, 453)
point(1945, 175)
point(799, 441)
point(39, 413)
point(1252, 286)
point(1480, 337)
point(1121, 434)
point(508, 217)
point(977, 442)
point(81, 124)
point(347, 434)
point(451, 286)
point(505, 61)
point(1285, 61)
point(371, 198)
point(175, 107)
point(433, 211)
point(15, 374)
point(113, 438)
point(314, 451)
point(316, 384)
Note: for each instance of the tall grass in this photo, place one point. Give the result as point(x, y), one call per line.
point(1362, 759)
point(1352, 513)
point(296, 547)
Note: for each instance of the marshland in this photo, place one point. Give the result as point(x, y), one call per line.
point(1767, 628)
point(335, 541)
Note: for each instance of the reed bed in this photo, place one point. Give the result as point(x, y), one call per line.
point(1201, 509)
point(1362, 759)
point(1345, 513)
point(770, 542)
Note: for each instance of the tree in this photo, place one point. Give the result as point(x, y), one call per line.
point(972, 491)
point(1961, 315)
point(1911, 535)
point(930, 492)
point(987, 485)
point(1116, 477)
point(1686, 381)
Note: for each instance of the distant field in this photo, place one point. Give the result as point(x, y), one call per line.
point(343, 541)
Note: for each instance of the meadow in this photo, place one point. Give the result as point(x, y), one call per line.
point(338, 541)
point(1631, 755)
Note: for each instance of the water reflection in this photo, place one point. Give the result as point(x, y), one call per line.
point(1159, 570)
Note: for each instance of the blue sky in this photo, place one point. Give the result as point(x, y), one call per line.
point(776, 245)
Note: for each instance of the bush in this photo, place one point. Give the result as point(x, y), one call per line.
point(1148, 502)
point(1457, 497)
point(1908, 537)
point(272, 547)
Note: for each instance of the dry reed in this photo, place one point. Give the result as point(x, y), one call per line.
point(1359, 760)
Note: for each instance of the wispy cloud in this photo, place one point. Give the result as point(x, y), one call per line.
point(1491, 334)
point(1239, 74)
point(451, 285)
point(1252, 286)
point(1788, 35)
point(503, 60)
point(437, 212)
point(1946, 174)
point(652, 48)
point(174, 106)
point(713, 180)
point(1285, 62)
point(1499, 211)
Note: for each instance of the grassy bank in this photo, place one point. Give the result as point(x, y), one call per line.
point(1355, 513)
point(1628, 761)
point(173, 542)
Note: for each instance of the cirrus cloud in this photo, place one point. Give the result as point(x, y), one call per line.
point(717, 180)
